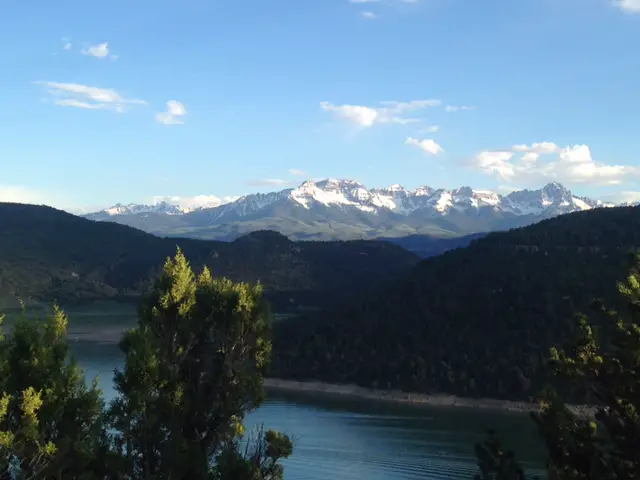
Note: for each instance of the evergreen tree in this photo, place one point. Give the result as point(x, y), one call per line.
point(50, 421)
point(605, 445)
point(194, 367)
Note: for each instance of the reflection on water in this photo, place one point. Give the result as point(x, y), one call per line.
point(348, 439)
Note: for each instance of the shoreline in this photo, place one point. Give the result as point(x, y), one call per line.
point(407, 398)
point(112, 335)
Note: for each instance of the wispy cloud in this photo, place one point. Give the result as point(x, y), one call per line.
point(630, 6)
point(387, 112)
point(99, 51)
point(368, 15)
point(523, 164)
point(87, 97)
point(427, 145)
point(174, 115)
point(268, 182)
point(431, 129)
point(458, 108)
point(28, 195)
point(296, 172)
point(363, 1)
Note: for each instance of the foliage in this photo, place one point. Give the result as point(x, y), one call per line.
point(259, 461)
point(607, 448)
point(477, 321)
point(50, 421)
point(49, 255)
point(194, 366)
point(495, 463)
point(604, 446)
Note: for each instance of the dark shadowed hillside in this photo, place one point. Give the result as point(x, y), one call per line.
point(426, 246)
point(475, 321)
point(49, 254)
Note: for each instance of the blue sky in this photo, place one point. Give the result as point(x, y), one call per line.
point(132, 100)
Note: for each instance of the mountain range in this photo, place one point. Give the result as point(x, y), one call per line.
point(346, 209)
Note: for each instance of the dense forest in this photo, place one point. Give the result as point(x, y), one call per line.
point(48, 254)
point(477, 321)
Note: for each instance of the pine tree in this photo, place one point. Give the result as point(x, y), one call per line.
point(51, 423)
point(603, 445)
point(194, 367)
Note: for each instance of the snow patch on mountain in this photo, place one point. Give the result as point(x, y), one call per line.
point(553, 199)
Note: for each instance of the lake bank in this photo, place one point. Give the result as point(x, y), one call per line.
point(396, 396)
point(112, 335)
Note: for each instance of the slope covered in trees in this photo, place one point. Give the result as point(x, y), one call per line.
point(49, 254)
point(477, 321)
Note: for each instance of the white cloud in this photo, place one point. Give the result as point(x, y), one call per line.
point(90, 98)
point(631, 6)
point(624, 197)
point(428, 146)
point(99, 51)
point(387, 112)
point(506, 189)
point(174, 114)
point(573, 164)
point(296, 172)
point(368, 15)
point(458, 108)
point(195, 202)
point(262, 182)
point(539, 148)
point(431, 129)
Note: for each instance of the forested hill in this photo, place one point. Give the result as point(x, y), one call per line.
point(477, 321)
point(49, 254)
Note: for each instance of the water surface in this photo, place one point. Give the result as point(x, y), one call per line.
point(349, 439)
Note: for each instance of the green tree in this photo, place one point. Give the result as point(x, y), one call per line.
point(194, 367)
point(50, 421)
point(606, 371)
point(496, 463)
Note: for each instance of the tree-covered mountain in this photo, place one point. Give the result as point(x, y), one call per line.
point(49, 254)
point(475, 321)
point(346, 209)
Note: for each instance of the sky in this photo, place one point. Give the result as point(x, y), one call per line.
point(199, 100)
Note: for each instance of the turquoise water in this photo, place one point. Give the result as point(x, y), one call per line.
point(349, 439)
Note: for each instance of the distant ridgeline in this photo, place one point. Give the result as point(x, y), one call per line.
point(47, 254)
point(477, 321)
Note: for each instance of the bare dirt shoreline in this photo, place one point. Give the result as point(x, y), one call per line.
point(396, 396)
point(112, 335)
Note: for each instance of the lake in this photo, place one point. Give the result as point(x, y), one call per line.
point(349, 439)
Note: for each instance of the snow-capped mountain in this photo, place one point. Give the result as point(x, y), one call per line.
point(176, 206)
point(134, 209)
point(337, 209)
point(552, 199)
